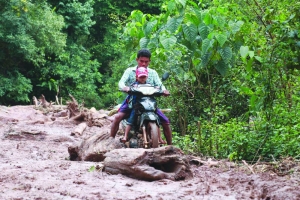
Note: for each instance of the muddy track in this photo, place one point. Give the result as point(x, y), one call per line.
point(35, 164)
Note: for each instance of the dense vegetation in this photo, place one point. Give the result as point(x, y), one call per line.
point(234, 64)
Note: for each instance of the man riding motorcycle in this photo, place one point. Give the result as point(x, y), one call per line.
point(129, 76)
point(141, 78)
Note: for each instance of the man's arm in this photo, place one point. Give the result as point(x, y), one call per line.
point(157, 81)
point(124, 79)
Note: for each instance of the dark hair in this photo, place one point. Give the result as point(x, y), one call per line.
point(144, 53)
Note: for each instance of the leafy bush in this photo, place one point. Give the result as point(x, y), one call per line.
point(14, 88)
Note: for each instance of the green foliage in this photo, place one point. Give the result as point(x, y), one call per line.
point(75, 73)
point(185, 142)
point(105, 43)
point(29, 34)
point(224, 60)
point(78, 16)
point(36, 50)
point(14, 87)
point(198, 47)
point(234, 65)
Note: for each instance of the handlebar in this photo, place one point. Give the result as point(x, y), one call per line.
point(145, 90)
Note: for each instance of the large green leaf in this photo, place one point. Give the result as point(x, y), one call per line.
point(205, 59)
point(221, 38)
point(206, 44)
point(173, 24)
point(197, 12)
point(137, 15)
point(207, 18)
point(167, 42)
point(182, 2)
point(153, 43)
point(203, 31)
point(192, 18)
point(235, 26)
point(244, 51)
point(144, 42)
point(190, 32)
point(133, 31)
point(171, 6)
point(221, 67)
point(149, 27)
point(226, 54)
point(219, 21)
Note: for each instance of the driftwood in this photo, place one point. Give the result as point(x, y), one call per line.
point(91, 116)
point(209, 162)
point(94, 147)
point(78, 130)
point(94, 118)
point(72, 111)
point(35, 101)
point(249, 167)
point(41, 101)
point(48, 107)
point(44, 102)
point(166, 162)
point(73, 107)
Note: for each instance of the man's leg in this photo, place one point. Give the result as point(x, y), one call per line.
point(127, 129)
point(115, 124)
point(130, 121)
point(167, 133)
point(123, 111)
point(166, 126)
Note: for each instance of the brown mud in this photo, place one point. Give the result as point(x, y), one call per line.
point(34, 164)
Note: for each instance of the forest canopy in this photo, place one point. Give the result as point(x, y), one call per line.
point(234, 64)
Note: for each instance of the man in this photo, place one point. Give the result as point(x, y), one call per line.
point(129, 76)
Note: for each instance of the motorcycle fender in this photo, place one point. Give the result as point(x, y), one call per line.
point(149, 116)
point(148, 103)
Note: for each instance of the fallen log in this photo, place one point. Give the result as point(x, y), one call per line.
point(94, 147)
point(78, 130)
point(166, 162)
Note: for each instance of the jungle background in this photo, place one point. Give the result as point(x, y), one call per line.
point(234, 65)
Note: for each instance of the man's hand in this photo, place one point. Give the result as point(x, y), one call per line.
point(126, 89)
point(166, 93)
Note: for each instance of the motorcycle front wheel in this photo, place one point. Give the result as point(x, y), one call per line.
point(152, 131)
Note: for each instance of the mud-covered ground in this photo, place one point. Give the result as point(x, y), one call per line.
point(34, 164)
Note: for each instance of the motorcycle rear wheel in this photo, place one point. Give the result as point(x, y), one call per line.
point(152, 131)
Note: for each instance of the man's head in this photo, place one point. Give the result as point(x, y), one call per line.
point(143, 53)
point(143, 57)
point(141, 74)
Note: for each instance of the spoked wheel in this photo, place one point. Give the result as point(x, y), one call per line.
point(152, 131)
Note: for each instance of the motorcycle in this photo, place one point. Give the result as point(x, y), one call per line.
point(145, 131)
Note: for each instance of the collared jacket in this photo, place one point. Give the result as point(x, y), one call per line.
point(129, 77)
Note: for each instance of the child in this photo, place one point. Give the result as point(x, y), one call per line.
point(141, 78)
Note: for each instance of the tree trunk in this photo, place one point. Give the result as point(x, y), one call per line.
point(166, 162)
